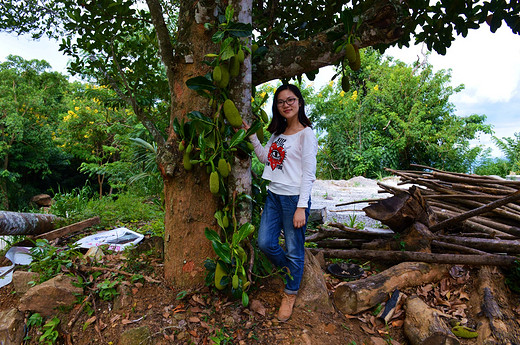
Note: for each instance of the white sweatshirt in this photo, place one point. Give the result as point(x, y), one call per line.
point(290, 163)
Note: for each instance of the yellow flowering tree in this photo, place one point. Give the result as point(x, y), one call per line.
point(96, 132)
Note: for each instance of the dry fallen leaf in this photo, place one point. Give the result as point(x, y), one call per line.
point(193, 319)
point(397, 323)
point(368, 330)
point(257, 307)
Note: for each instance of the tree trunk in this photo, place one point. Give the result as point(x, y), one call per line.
point(16, 223)
point(189, 204)
point(357, 296)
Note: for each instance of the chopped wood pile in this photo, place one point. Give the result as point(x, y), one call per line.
point(444, 217)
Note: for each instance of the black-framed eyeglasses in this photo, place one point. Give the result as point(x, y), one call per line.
point(289, 101)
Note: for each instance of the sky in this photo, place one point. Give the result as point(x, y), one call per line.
point(486, 63)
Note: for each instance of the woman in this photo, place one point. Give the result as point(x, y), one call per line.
point(290, 166)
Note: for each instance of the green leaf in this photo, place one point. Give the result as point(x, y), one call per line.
point(240, 29)
point(223, 250)
point(242, 233)
point(217, 36)
point(219, 216)
point(229, 13)
point(211, 234)
point(200, 83)
point(237, 138)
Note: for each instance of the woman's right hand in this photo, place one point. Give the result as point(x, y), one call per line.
point(245, 125)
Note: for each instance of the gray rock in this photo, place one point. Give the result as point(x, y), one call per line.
point(11, 327)
point(313, 293)
point(47, 296)
point(136, 336)
point(124, 299)
point(21, 281)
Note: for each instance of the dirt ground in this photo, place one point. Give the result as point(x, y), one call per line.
point(205, 316)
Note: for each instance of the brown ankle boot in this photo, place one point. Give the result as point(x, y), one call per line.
point(286, 307)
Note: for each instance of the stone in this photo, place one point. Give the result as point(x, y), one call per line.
point(21, 281)
point(47, 296)
point(11, 327)
point(42, 200)
point(95, 253)
point(124, 299)
point(313, 293)
point(136, 336)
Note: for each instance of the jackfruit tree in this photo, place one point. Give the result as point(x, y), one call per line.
point(122, 43)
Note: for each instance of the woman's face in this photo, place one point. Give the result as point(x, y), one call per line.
point(288, 104)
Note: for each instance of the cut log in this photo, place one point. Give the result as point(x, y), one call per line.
point(400, 256)
point(340, 243)
point(497, 325)
point(423, 324)
point(485, 244)
point(457, 248)
point(70, 229)
point(17, 223)
point(357, 296)
point(402, 210)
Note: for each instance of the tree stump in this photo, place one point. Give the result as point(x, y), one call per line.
point(423, 325)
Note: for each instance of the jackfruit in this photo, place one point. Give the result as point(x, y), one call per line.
point(189, 148)
point(232, 114)
point(345, 83)
point(235, 281)
point(181, 146)
point(240, 55)
point(263, 116)
point(356, 65)
point(242, 254)
point(219, 274)
point(222, 167)
point(213, 182)
point(260, 134)
point(350, 53)
point(217, 74)
point(234, 66)
point(224, 80)
point(254, 47)
point(186, 161)
point(225, 221)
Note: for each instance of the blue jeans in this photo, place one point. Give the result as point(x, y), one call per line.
point(277, 216)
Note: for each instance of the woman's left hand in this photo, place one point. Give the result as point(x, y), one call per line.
point(299, 218)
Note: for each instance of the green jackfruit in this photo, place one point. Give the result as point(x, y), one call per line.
point(186, 161)
point(235, 281)
point(350, 53)
point(217, 74)
point(219, 274)
point(242, 254)
point(240, 55)
point(234, 66)
point(263, 116)
point(181, 146)
point(213, 182)
point(224, 81)
point(189, 148)
point(225, 221)
point(254, 47)
point(356, 65)
point(345, 83)
point(260, 134)
point(232, 114)
point(222, 167)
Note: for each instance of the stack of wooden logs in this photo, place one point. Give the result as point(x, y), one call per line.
point(444, 217)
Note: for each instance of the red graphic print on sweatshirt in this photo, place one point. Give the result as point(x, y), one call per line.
point(276, 154)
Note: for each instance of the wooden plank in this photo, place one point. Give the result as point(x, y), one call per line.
point(69, 229)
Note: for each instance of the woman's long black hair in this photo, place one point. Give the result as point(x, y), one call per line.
point(279, 123)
